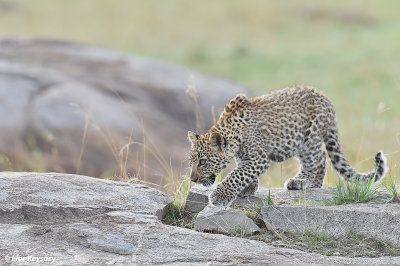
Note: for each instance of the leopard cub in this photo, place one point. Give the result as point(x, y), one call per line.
point(293, 122)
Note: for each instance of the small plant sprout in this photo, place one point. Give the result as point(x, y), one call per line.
point(219, 178)
point(302, 197)
point(269, 199)
point(358, 191)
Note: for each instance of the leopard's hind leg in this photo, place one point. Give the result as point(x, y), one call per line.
point(313, 167)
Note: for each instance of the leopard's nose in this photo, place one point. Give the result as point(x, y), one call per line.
point(194, 177)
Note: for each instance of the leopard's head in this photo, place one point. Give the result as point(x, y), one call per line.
point(208, 157)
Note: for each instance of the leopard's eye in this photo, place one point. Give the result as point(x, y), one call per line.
point(202, 162)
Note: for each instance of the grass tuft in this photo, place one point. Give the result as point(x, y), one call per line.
point(181, 193)
point(390, 187)
point(240, 231)
point(354, 192)
point(177, 216)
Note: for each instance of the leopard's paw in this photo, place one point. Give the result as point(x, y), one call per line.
point(249, 191)
point(296, 184)
point(220, 199)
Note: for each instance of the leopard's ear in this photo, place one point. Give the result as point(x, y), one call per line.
point(192, 137)
point(218, 142)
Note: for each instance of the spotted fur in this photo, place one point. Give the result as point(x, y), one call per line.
point(293, 122)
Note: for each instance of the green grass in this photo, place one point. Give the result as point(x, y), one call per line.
point(177, 216)
point(240, 231)
point(347, 49)
point(327, 203)
point(181, 192)
point(354, 192)
point(5, 163)
point(218, 179)
point(391, 187)
point(269, 199)
point(314, 238)
point(24, 162)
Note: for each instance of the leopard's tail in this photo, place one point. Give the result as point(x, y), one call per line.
point(342, 166)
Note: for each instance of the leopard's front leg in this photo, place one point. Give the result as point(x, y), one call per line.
point(250, 190)
point(240, 178)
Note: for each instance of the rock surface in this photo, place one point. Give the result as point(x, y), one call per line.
point(113, 223)
point(378, 221)
point(197, 198)
point(49, 198)
point(50, 91)
point(225, 220)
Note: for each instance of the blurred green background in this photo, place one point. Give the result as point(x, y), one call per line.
point(348, 49)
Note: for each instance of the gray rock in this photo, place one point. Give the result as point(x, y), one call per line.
point(125, 230)
point(225, 220)
point(311, 196)
point(379, 221)
point(48, 198)
point(49, 90)
point(197, 198)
